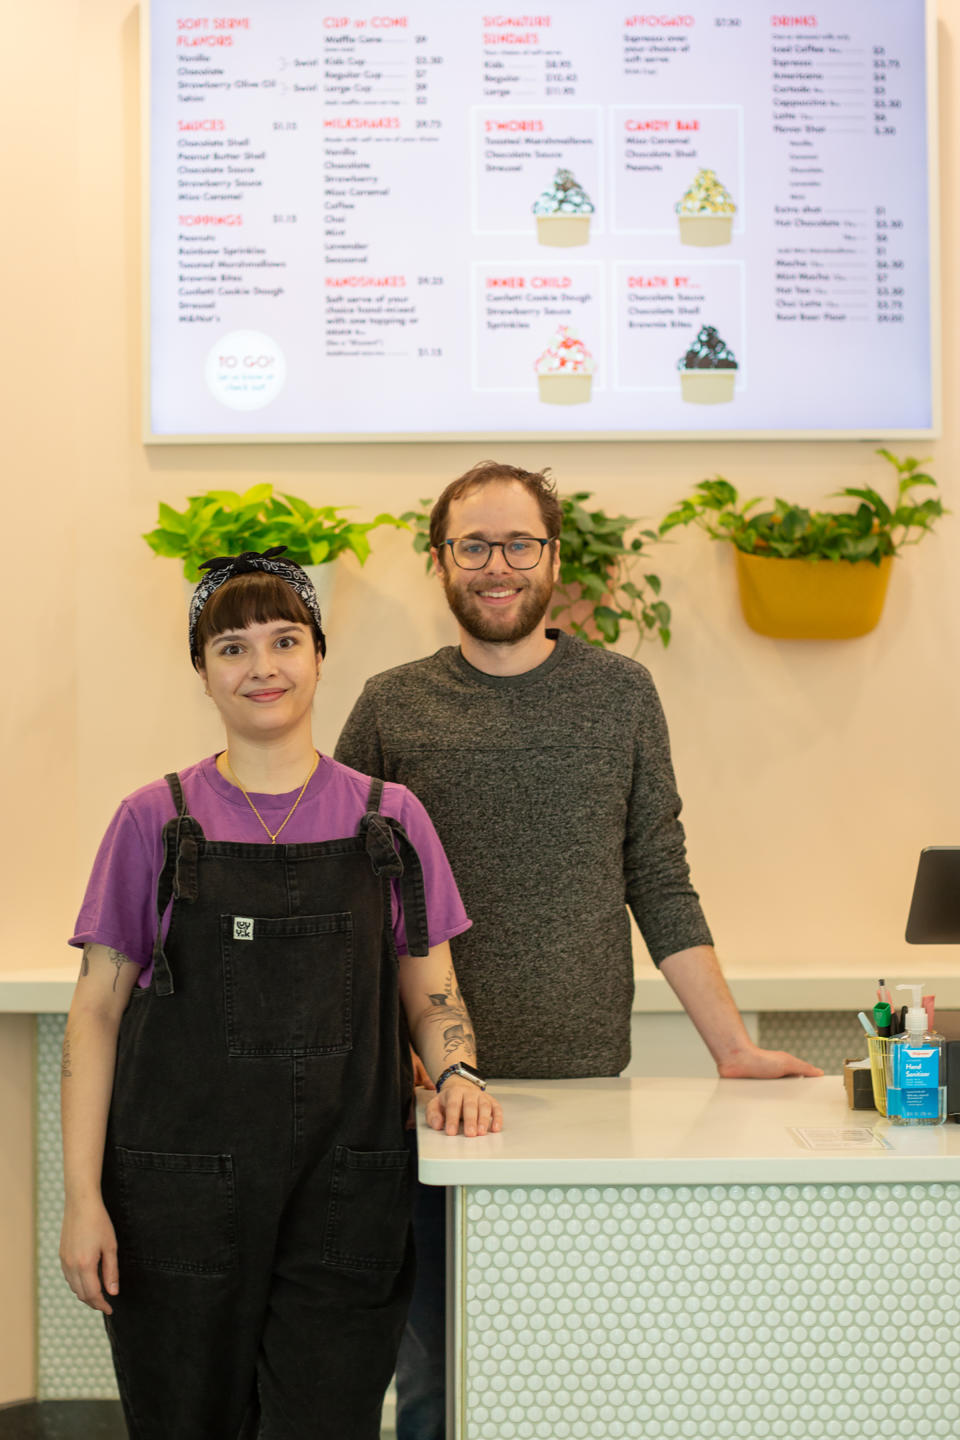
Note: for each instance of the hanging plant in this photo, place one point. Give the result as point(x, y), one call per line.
point(785, 589)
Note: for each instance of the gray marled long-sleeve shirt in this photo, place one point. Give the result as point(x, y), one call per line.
point(554, 797)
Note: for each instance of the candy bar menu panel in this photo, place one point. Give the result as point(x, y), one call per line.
point(448, 219)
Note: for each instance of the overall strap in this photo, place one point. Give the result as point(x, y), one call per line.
point(393, 854)
point(178, 877)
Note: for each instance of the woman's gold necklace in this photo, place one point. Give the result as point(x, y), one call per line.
point(272, 833)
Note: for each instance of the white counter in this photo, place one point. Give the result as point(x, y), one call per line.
point(684, 1132)
point(664, 1258)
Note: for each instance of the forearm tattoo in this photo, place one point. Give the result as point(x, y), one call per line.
point(65, 1070)
point(449, 1013)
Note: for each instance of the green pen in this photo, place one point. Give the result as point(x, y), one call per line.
point(881, 1018)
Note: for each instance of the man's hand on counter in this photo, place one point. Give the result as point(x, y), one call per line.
point(696, 979)
point(461, 1102)
point(752, 1063)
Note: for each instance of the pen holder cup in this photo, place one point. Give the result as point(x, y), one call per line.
point(881, 1067)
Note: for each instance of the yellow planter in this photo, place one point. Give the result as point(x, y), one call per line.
point(811, 599)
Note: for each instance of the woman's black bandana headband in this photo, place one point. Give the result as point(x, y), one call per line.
point(225, 567)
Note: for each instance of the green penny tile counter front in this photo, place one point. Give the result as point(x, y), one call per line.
point(73, 1354)
point(734, 1259)
point(709, 1311)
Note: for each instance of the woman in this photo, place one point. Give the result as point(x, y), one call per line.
point(236, 1061)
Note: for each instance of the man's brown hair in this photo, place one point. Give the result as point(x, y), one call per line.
point(537, 483)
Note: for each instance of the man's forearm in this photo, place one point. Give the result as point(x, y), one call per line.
point(696, 979)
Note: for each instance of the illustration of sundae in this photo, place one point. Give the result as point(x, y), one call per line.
point(565, 370)
point(708, 371)
point(563, 212)
point(706, 212)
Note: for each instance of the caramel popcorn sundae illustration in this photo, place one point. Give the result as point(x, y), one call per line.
point(706, 212)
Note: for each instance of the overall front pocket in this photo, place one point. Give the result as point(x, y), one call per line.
point(288, 984)
point(368, 1218)
point(174, 1212)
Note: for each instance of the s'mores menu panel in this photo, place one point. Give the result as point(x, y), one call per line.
point(448, 219)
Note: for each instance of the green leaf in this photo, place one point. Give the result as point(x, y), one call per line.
point(165, 542)
point(606, 622)
point(257, 494)
point(171, 519)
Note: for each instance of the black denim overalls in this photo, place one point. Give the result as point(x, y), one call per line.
point(255, 1166)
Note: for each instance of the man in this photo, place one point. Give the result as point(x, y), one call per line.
point(544, 764)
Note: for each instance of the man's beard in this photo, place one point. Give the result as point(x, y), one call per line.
point(494, 628)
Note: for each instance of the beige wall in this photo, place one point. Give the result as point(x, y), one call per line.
point(812, 773)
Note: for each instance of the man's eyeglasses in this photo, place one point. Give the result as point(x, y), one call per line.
point(521, 553)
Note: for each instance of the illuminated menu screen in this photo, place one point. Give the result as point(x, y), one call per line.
point(450, 220)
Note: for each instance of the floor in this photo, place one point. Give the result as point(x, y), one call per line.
point(63, 1420)
point(71, 1420)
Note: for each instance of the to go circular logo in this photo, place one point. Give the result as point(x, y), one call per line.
point(245, 370)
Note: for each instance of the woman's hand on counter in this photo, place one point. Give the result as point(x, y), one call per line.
point(461, 1102)
point(752, 1063)
point(88, 1254)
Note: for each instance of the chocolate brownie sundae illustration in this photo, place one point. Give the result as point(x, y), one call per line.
point(708, 369)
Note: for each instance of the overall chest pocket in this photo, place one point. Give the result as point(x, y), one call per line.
point(288, 984)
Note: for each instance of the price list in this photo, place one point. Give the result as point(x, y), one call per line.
point(447, 219)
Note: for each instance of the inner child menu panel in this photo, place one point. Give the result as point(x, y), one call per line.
point(584, 220)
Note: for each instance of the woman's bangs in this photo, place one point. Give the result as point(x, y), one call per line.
point(254, 599)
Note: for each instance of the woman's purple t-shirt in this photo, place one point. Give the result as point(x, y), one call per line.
point(120, 905)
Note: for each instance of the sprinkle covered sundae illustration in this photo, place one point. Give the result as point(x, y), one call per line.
point(565, 369)
point(708, 370)
point(563, 212)
point(706, 212)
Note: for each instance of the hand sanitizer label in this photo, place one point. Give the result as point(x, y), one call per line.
point(914, 1094)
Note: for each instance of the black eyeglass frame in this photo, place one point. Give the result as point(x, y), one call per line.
point(502, 546)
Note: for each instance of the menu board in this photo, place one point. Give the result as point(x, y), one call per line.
point(587, 220)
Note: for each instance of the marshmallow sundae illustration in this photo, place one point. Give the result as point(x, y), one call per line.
point(565, 369)
point(563, 212)
point(706, 212)
point(708, 371)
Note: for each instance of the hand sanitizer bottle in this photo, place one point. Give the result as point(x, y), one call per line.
point(917, 1094)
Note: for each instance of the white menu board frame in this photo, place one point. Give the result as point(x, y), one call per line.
point(162, 437)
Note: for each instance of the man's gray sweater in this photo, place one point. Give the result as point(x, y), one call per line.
point(554, 797)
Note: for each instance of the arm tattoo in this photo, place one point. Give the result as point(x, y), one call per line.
point(65, 1070)
point(118, 961)
point(448, 1010)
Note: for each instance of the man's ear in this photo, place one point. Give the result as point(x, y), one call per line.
point(437, 562)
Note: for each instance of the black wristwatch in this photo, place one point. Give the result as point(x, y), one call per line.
point(466, 1072)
